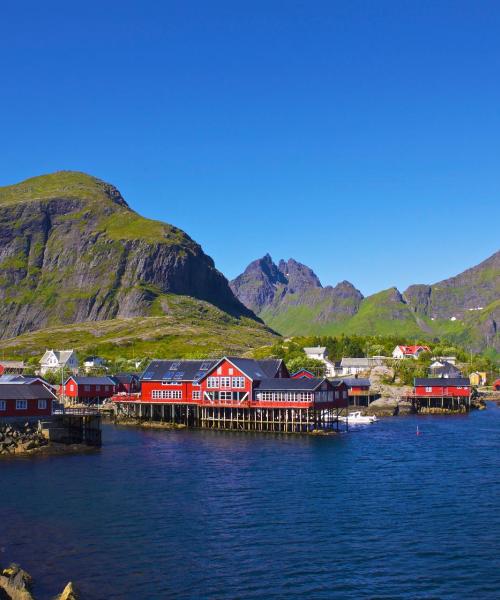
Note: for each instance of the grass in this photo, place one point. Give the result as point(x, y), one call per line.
point(192, 328)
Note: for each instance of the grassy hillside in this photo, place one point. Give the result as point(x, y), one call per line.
point(192, 328)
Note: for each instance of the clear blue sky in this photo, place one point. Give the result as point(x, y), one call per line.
point(362, 138)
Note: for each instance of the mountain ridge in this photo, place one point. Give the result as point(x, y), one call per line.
point(463, 307)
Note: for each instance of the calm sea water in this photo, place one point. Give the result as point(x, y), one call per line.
point(376, 513)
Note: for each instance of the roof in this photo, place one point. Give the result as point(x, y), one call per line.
point(414, 349)
point(445, 368)
point(355, 362)
point(12, 364)
point(61, 355)
point(180, 370)
point(257, 369)
point(91, 380)
point(25, 392)
point(315, 350)
point(302, 371)
point(21, 379)
point(442, 382)
point(286, 384)
point(124, 377)
point(356, 381)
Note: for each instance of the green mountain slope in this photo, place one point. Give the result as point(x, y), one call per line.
point(72, 251)
point(463, 308)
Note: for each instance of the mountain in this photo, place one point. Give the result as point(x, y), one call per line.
point(290, 298)
point(464, 308)
point(73, 251)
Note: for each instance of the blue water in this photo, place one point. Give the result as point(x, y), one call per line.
point(376, 513)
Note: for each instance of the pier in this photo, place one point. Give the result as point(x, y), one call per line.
point(74, 426)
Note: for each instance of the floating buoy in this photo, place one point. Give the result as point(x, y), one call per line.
point(418, 431)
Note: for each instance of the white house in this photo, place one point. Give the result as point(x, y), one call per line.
point(93, 362)
point(53, 360)
point(401, 352)
point(354, 366)
point(321, 353)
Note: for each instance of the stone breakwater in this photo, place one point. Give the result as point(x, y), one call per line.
point(16, 583)
point(21, 439)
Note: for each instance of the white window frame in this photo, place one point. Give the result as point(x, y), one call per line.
point(3, 405)
point(42, 404)
point(239, 382)
point(21, 405)
point(225, 396)
point(212, 382)
point(225, 382)
point(428, 388)
point(196, 394)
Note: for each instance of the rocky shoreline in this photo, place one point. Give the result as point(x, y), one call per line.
point(16, 584)
point(29, 440)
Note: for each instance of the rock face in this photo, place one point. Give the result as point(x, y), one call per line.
point(72, 250)
point(290, 298)
point(276, 290)
point(470, 291)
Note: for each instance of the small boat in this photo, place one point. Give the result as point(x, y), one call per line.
point(356, 418)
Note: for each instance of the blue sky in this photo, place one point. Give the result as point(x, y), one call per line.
point(361, 138)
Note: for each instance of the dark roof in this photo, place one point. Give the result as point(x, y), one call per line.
point(25, 392)
point(447, 368)
point(91, 380)
point(255, 369)
point(289, 384)
point(180, 370)
point(124, 377)
point(442, 381)
point(356, 381)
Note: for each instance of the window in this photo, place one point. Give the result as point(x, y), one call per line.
point(86, 388)
point(428, 389)
point(225, 382)
point(105, 388)
point(166, 394)
point(42, 404)
point(21, 404)
point(97, 388)
point(196, 395)
point(225, 395)
point(3, 405)
point(213, 382)
point(238, 382)
point(71, 387)
point(231, 371)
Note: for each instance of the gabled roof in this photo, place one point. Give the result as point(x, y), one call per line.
point(302, 371)
point(12, 364)
point(356, 381)
point(61, 355)
point(414, 349)
point(124, 377)
point(355, 362)
point(25, 392)
point(252, 368)
point(288, 384)
point(90, 380)
point(442, 382)
point(22, 379)
point(177, 370)
point(315, 350)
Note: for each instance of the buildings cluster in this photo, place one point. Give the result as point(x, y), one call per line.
point(226, 382)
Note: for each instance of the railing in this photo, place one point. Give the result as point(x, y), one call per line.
point(77, 412)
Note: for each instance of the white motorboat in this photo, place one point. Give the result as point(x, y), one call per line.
point(356, 418)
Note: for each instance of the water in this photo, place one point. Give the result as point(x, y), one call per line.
point(377, 513)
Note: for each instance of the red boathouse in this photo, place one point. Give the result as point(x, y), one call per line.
point(451, 393)
point(87, 390)
point(22, 401)
point(235, 393)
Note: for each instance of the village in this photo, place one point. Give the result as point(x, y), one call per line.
point(229, 393)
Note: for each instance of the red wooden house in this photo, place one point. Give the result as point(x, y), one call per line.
point(22, 401)
point(234, 393)
point(88, 390)
point(442, 387)
point(496, 385)
point(126, 383)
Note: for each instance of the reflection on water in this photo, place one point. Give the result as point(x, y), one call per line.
point(379, 512)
